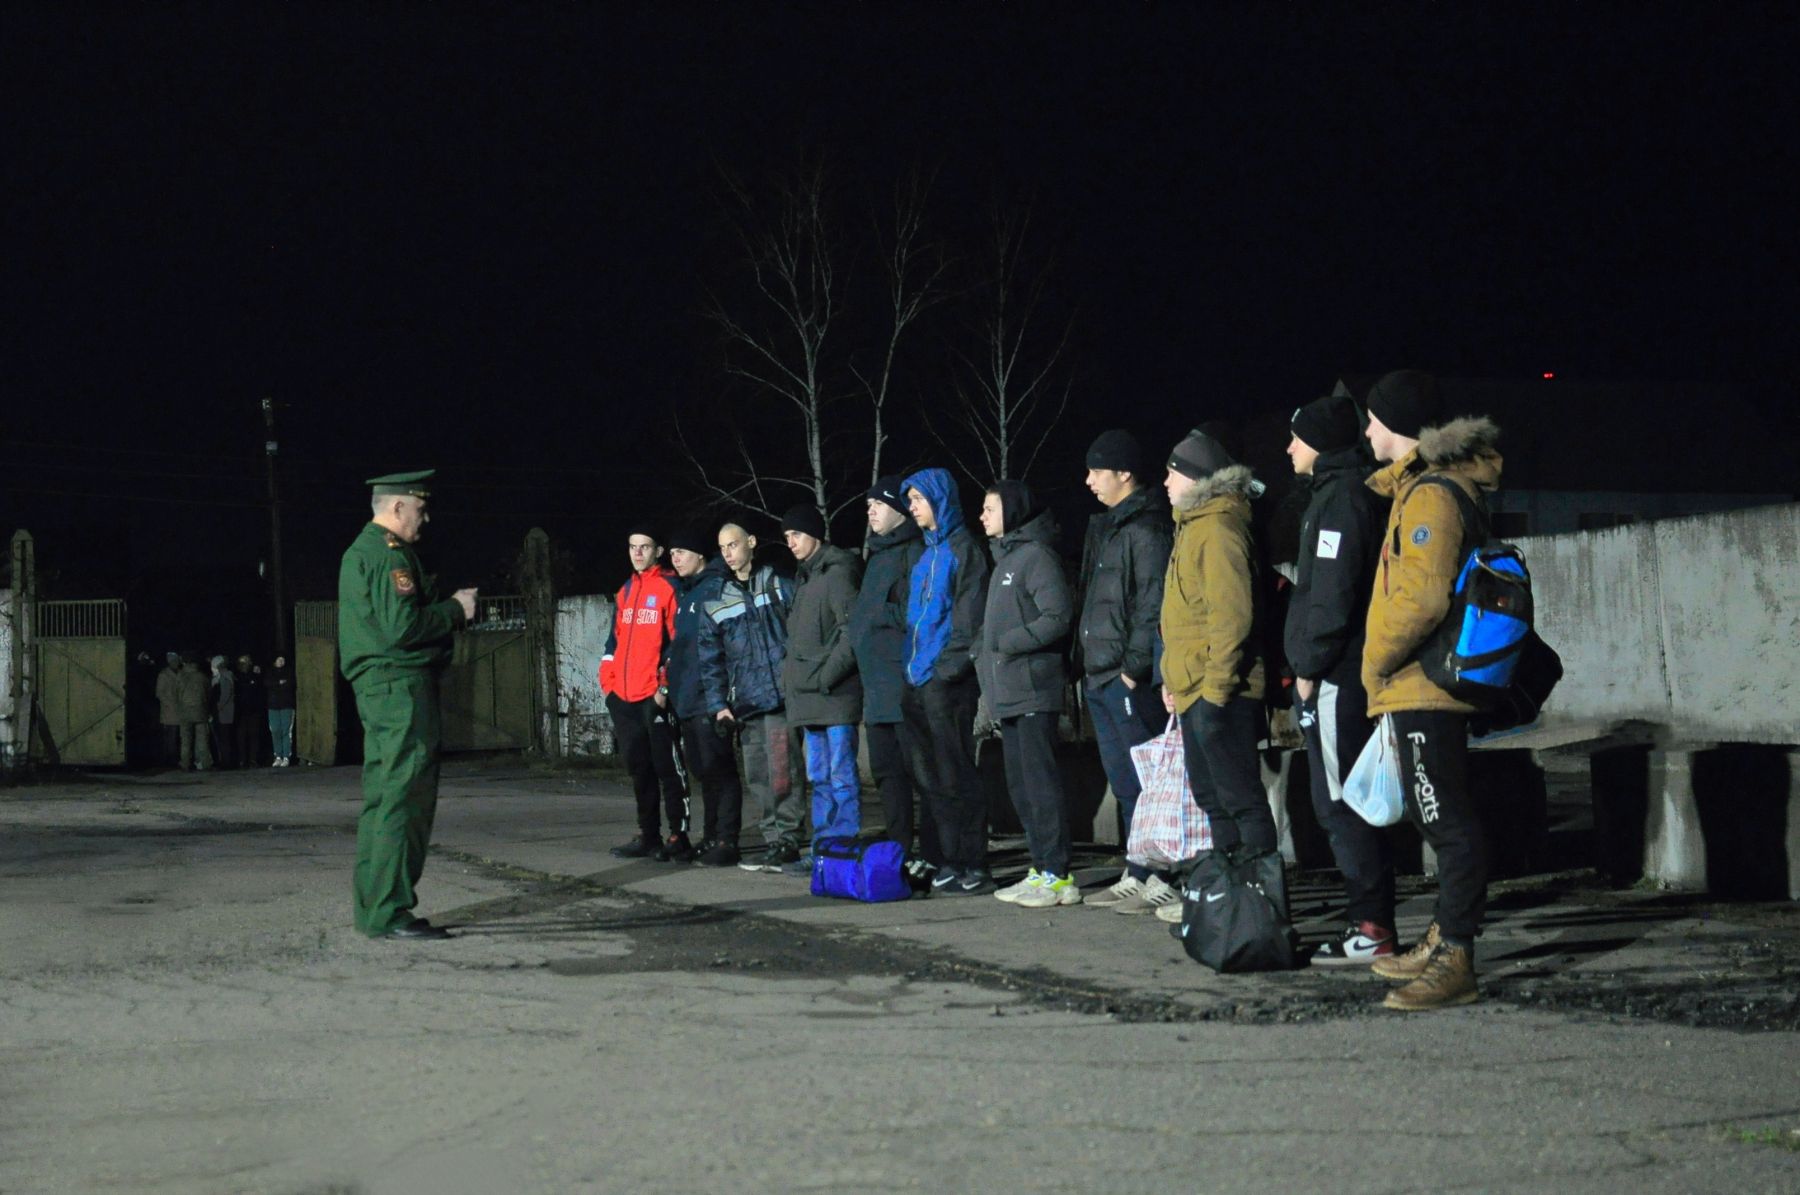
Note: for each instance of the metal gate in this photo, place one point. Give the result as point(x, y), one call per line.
point(80, 659)
point(316, 682)
point(487, 693)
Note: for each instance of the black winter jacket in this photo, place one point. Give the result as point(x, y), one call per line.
point(819, 679)
point(1019, 653)
point(1122, 565)
point(743, 641)
point(1340, 544)
point(878, 621)
point(687, 693)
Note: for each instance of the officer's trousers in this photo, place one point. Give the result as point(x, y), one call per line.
point(401, 734)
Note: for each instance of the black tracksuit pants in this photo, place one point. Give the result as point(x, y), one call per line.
point(940, 729)
point(1035, 782)
point(888, 763)
point(1434, 759)
point(706, 750)
point(1219, 744)
point(1336, 725)
point(644, 738)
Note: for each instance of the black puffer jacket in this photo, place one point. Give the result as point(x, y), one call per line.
point(878, 621)
point(1122, 567)
point(1340, 545)
point(818, 678)
point(1019, 653)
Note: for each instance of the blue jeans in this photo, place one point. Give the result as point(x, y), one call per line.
point(836, 791)
point(1124, 718)
point(281, 731)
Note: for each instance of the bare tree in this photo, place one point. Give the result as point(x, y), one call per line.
point(1011, 390)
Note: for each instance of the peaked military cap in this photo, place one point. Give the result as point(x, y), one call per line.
point(413, 485)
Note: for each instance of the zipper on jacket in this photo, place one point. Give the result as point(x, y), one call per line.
point(930, 579)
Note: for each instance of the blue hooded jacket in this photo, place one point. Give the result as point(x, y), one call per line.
point(945, 605)
point(687, 690)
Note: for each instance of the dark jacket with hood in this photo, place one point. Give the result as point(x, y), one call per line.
point(878, 621)
point(949, 588)
point(1334, 572)
point(819, 679)
point(687, 695)
point(1019, 655)
point(743, 641)
point(1122, 566)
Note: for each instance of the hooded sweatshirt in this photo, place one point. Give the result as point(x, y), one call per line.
point(949, 584)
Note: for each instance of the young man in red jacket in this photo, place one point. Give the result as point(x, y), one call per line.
point(633, 675)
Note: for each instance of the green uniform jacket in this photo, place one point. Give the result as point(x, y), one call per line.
point(1210, 616)
point(389, 619)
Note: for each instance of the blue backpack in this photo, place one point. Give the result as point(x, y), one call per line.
point(1476, 652)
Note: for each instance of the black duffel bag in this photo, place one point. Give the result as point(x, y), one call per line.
point(1234, 912)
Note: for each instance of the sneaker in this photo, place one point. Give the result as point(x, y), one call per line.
point(945, 879)
point(678, 848)
point(1170, 913)
point(1447, 980)
point(1155, 893)
point(1361, 945)
point(644, 846)
point(1049, 892)
point(1012, 892)
point(1127, 885)
point(801, 868)
point(974, 882)
point(773, 859)
point(718, 854)
point(1410, 965)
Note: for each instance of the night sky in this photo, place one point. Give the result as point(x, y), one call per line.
point(485, 239)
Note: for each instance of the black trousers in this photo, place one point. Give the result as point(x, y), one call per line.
point(248, 728)
point(888, 763)
point(1336, 725)
point(1035, 782)
point(1219, 744)
point(1434, 773)
point(172, 745)
point(642, 731)
point(940, 729)
point(707, 752)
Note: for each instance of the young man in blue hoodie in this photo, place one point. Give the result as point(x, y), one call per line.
point(943, 618)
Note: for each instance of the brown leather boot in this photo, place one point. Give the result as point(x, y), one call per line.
point(1410, 965)
point(1448, 980)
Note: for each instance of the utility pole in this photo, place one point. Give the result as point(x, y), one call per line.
point(277, 590)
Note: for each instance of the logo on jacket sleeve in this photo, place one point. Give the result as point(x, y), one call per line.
point(1007, 579)
point(1421, 535)
point(403, 581)
point(1328, 544)
point(650, 600)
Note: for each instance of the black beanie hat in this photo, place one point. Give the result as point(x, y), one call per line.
point(1328, 424)
point(887, 490)
point(1117, 450)
point(647, 530)
point(1406, 401)
point(1017, 504)
point(806, 520)
point(1199, 456)
point(692, 539)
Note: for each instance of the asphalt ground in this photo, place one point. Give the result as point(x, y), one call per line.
point(183, 1007)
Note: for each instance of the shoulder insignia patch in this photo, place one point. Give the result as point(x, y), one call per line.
point(1328, 544)
point(393, 541)
point(403, 582)
point(1421, 535)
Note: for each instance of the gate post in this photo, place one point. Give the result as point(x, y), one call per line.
point(16, 752)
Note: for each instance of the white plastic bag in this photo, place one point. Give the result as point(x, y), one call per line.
point(1374, 790)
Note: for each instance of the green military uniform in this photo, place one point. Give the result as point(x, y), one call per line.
point(394, 637)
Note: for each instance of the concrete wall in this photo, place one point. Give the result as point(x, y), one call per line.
point(1690, 624)
point(582, 626)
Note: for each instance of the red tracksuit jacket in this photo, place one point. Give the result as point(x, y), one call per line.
point(633, 667)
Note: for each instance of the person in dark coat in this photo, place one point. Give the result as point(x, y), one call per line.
point(1334, 576)
point(247, 729)
point(818, 677)
point(1122, 565)
point(168, 713)
point(878, 636)
point(280, 695)
point(1019, 660)
point(705, 741)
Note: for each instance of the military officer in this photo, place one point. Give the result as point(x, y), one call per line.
point(394, 638)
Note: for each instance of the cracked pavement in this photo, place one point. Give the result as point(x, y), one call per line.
point(184, 1008)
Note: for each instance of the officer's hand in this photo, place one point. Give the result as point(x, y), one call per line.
point(1168, 701)
point(725, 716)
point(466, 599)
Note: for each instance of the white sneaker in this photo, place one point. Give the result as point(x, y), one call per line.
point(1127, 886)
point(1049, 892)
point(1012, 892)
point(1170, 913)
point(1154, 895)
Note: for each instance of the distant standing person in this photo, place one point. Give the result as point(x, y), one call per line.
point(394, 639)
point(634, 677)
point(190, 709)
point(167, 709)
point(705, 741)
point(280, 689)
point(250, 710)
point(224, 712)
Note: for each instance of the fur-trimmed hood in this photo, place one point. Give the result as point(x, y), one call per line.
point(1232, 479)
point(1464, 448)
point(1459, 440)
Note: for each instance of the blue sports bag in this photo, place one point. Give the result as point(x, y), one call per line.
point(856, 870)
